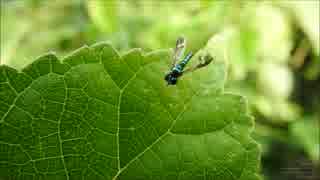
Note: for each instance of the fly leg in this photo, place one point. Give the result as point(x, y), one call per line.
point(203, 61)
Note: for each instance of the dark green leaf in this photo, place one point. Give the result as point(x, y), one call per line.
point(99, 115)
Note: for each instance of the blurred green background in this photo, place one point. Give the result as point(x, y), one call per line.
point(272, 49)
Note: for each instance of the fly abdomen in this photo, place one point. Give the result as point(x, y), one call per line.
point(180, 66)
point(186, 59)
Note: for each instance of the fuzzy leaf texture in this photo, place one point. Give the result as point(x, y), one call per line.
point(98, 115)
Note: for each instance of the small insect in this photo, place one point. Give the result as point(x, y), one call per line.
point(177, 68)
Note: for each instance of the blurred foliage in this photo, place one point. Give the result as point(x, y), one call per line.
point(306, 133)
point(33, 27)
point(272, 48)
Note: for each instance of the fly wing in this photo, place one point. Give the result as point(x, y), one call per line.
point(178, 50)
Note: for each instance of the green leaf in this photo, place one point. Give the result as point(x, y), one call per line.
point(99, 115)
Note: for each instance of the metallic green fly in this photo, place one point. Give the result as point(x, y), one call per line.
point(177, 68)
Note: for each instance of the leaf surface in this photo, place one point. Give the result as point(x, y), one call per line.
point(98, 115)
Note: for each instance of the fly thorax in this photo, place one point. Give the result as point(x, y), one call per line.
point(178, 68)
